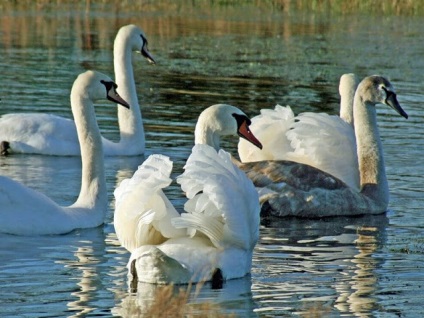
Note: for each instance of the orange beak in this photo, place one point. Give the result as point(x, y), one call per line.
point(245, 133)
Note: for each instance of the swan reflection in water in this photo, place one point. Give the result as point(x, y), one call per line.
point(329, 264)
point(234, 298)
point(300, 266)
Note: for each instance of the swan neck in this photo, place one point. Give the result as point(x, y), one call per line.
point(346, 106)
point(130, 121)
point(93, 194)
point(347, 89)
point(204, 135)
point(370, 151)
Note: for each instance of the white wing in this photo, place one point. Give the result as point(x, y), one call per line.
point(270, 129)
point(142, 211)
point(223, 203)
point(327, 143)
point(317, 139)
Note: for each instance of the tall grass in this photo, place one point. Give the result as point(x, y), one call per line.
point(168, 303)
point(382, 7)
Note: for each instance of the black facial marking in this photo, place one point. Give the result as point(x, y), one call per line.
point(144, 39)
point(240, 119)
point(109, 85)
point(389, 93)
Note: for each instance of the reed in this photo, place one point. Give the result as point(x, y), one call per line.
point(168, 303)
point(387, 7)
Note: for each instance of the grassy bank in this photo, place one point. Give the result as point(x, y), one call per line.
point(379, 7)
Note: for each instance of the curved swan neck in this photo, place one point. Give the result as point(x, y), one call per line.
point(207, 130)
point(373, 178)
point(130, 122)
point(204, 135)
point(93, 192)
point(347, 89)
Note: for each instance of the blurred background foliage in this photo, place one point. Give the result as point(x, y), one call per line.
point(378, 7)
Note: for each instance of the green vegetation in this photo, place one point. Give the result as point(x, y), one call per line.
point(379, 7)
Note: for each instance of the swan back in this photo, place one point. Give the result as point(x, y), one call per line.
point(222, 120)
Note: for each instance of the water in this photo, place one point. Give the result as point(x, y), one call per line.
point(243, 55)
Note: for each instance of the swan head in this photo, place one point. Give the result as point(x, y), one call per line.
point(98, 86)
point(223, 120)
point(137, 40)
point(377, 89)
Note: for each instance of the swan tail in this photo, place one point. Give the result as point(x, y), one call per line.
point(209, 226)
point(149, 264)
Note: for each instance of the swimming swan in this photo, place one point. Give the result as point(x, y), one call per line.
point(317, 139)
point(27, 212)
point(48, 134)
point(215, 238)
point(291, 188)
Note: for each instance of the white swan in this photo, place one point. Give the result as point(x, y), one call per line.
point(317, 139)
point(48, 134)
point(291, 188)
point(27, 212)
point(214, 240)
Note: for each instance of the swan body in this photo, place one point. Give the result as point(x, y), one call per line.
point(47, 134)
point(317, 139)
point(214, 238)
point(218, 231)
point(27, 212)
point(296, 189)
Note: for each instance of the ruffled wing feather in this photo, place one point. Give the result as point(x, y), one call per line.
point(142, 211)
point(270, 128)
point(223, 203)
point(327, 143)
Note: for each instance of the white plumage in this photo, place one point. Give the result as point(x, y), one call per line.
point(24, 211)
point(292, 188)
point(218, 230)
point(220, 226)
point(323, 141)
point(47, 134)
